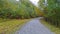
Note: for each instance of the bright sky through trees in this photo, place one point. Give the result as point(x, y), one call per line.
point(17, 0)
point(35, 2)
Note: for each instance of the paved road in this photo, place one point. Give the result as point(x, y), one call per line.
point(34, 27)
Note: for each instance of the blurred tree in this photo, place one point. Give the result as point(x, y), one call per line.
point(17, 9)
point(52, 11)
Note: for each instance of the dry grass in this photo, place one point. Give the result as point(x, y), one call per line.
point(51, 27)
point(10, 26)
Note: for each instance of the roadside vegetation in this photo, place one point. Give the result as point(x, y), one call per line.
point(9, 26)
point(18, 9)
point(51, 10)
point(54, 29)
point(13, 14)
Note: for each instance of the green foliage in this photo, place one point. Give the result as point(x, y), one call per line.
point(52, 11)
point(14, 9)
point(41, 3)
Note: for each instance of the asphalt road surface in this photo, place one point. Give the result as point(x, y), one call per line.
point(34, 27)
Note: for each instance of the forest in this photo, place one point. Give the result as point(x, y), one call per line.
point(18, 9)
point(15, 13)
point(51, 9)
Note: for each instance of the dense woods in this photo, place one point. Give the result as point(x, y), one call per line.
point(18, 9)
point(15, 13)
point(51, 9)
point(25, 9)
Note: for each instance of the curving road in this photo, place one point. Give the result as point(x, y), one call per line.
point(34, 27)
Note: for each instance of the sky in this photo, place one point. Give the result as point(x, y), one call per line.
point(17, 0)
point(35, 2)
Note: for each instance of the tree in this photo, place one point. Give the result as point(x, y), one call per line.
point(14, 9)
point(52, 11)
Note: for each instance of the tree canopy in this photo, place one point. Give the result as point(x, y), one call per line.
point(17, 9)
point(51, 10)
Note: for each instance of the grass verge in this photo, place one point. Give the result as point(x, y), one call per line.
point(51, 27)
point(10, 26)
